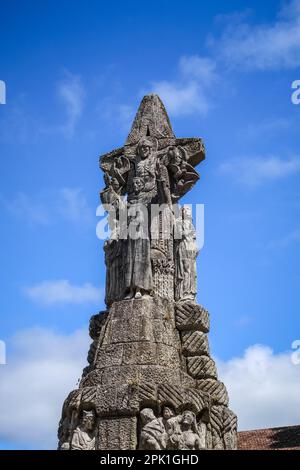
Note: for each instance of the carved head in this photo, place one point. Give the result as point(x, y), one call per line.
point(115, 184)
point(168, 412)
point(174, 155)
point(186, 212)
point(118, 162)
point(147, 415)
point(144, 148)
point(188, 418)
point(137, 184)
point(88, 419)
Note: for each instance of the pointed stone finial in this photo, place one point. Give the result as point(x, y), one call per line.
point(150, 120)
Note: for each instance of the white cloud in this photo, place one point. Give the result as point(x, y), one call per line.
point(72, 93)
point(266, 128)
point(264, 46)
point(62, 292)
point(189, 93)
point(253, 171)
point(200, 68)
point(42, 368)
point(263, 388)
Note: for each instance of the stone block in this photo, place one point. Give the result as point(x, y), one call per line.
point(117, 433)
point(201, 367)
point(190, 317)
point(216, 390)
point(194, 343)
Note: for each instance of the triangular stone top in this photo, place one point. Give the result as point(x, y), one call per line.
point(150, 120)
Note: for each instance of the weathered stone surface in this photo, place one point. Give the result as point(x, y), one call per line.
point(117, 433)
point(229, 429)
point(194, 343)
point(97, 322)
point(114, 401)
point(215, 389)
point(216, 427)
point(201, 367)
point(190, 317)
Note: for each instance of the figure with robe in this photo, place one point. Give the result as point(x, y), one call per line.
point(152, 431)
point(83, 436)
point(186, 252)
point(138, 271)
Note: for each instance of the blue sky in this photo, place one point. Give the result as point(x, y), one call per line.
point(75, 74)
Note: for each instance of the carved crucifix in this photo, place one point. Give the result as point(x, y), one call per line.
point(153, 168)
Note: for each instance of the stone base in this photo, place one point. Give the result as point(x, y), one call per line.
point(148, 354)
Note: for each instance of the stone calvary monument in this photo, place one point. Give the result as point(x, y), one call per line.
point(151, 382)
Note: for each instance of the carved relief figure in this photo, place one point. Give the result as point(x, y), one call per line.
point(186, 252)
point(138, 272)
point(84, 436)
point(114, 247)
point(186, 435)
point(183, 174)
point(153, 434)
point(145, 168)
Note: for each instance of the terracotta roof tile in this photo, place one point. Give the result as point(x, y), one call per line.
point(285, 438)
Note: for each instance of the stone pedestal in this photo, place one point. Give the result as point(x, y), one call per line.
point(149, 353)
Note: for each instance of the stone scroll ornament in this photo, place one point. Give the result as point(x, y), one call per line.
point(150, 382)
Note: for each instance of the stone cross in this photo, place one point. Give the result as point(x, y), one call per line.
point(150, 382)
point(153, 168)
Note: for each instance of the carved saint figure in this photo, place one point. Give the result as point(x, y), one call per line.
point(152, 435)
point(185, 435)
point(83, 436)
point(114, 247)
point(138, 271)
point(186, 252)
point(145, 169)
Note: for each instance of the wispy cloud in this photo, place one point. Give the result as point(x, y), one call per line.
point(266, 128)
point(287, 240)
point(48, 207)
point(253, 171)
point(190, 92)
point(72, 93)
point(265, 46)
point(63, 292)
point(263, 388)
